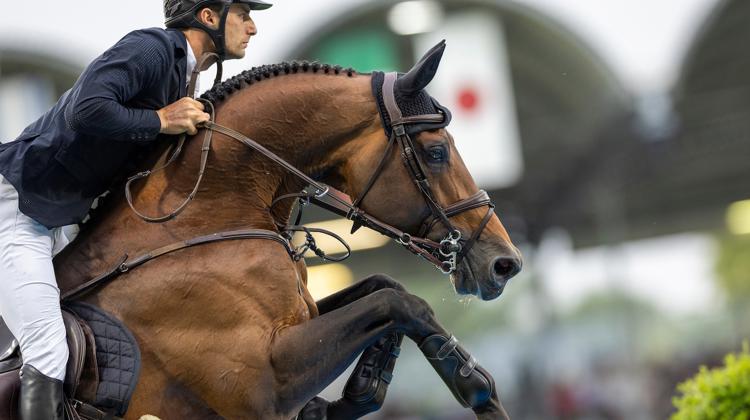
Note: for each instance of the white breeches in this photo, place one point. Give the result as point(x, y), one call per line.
point(29, 296)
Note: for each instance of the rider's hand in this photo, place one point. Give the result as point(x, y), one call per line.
point(182, 116)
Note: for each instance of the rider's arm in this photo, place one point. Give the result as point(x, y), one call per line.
point(139, 61)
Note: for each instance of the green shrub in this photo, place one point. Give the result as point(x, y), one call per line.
point(721, 394)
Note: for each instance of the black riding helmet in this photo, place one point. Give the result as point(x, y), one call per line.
point(182, 14)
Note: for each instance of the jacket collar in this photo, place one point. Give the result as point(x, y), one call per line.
point(180, 48)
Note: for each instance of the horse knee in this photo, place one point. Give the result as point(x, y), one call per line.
point(418, 307)
point(404, 307)
point(377, 282)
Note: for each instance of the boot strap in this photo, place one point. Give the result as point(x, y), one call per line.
point(468, 367)
point(447, 348)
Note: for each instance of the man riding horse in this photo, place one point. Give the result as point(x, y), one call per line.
point(126, 99)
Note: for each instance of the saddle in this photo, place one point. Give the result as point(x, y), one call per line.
point(102, 368)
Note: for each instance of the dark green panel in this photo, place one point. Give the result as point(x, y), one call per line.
point(364, 50)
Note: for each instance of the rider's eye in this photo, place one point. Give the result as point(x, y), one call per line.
point(436, 154)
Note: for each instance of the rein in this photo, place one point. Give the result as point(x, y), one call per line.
point(446, 254)
point(178, 149)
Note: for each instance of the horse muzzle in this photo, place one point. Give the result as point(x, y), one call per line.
point(485, 272)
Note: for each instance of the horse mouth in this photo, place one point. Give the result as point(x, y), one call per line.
point(468, 285)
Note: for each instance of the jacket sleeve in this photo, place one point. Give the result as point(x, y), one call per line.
point(98, 108)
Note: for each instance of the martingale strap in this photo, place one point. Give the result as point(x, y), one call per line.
point(126, 264)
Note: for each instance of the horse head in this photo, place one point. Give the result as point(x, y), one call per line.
point(423, 188)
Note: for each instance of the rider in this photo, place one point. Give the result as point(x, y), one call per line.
point(124, 100)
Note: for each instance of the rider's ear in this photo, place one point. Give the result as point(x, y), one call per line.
point(422, 73)
point(208, 17)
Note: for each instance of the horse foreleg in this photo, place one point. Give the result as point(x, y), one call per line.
point(365, 390)
point(309, 356)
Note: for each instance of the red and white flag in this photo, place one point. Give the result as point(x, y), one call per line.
point(474, 82)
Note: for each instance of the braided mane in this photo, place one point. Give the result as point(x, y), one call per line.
point(221, 91)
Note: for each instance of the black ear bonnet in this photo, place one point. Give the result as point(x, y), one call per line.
point(420, 103)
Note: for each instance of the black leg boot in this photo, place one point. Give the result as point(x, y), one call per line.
point(366, 388)
point(470, 383)
point(315, 409)
point(41, 396)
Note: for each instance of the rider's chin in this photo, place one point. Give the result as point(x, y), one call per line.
point(235, 54)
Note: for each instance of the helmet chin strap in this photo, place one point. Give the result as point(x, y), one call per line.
point(218, 36)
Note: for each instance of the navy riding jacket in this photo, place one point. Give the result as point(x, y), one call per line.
point(71, 154)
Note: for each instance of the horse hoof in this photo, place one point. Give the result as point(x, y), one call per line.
point(470, 383)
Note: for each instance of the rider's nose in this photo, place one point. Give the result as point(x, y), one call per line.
point(505, 267)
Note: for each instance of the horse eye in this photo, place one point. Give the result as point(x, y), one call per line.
point(436, 154)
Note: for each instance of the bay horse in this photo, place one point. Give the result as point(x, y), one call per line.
point(228, 329)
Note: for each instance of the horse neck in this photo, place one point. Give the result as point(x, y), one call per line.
point(306, 119)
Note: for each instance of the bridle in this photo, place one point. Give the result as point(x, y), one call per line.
point(446, 254)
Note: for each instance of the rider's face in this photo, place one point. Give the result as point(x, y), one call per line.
point(240, 27)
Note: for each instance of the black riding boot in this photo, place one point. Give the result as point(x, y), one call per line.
point(41, 396)
point(470, 383)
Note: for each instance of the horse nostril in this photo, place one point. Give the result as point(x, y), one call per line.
point(503, 268)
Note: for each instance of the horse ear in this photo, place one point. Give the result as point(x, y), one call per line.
point(422, 73)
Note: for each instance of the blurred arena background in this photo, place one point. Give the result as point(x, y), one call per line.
point(622, 173)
